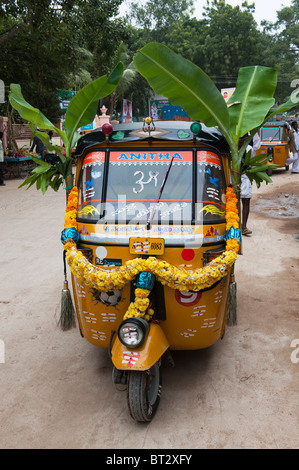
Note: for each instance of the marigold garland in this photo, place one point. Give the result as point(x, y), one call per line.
point(70, 220)
point(173, 277)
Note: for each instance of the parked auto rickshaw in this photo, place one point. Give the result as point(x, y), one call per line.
point(151, 269)
point(275, 144)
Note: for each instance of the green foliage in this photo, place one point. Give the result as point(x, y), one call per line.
point(252, 99)
point(256, 168)
point(81, 110)
point(188, 86)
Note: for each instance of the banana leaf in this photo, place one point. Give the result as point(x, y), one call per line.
point(184, 84)
point(81, 111)
point(83, 106)
point(33, 115)
point(252, 99)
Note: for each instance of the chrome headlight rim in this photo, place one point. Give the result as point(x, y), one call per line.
point(141, 329)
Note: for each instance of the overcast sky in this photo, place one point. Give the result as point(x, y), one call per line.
point(264, 9)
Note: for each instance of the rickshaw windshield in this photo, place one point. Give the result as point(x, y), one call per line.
point(272, 133)
point(134, 183)
point(132, 192)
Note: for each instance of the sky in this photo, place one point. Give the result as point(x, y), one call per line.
point(264, 9)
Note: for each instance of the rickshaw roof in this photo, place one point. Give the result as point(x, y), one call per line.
point(275, 123)
point(178, 131)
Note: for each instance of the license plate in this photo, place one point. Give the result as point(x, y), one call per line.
point(146, 246)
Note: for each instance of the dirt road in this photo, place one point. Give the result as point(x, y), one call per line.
point(56, 389)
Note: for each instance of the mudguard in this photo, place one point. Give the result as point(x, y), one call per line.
point(145, 356)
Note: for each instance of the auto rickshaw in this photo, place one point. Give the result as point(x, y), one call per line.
point(151, 216)
point(275, 144)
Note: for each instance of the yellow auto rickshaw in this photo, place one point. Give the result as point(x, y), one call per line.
point(275, 144)
point(153, 263)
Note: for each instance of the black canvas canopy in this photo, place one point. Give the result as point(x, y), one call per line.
point(164, 130)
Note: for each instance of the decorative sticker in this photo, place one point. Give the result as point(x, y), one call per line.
point(130, 358)
point(162, 156)
point(187, 298)
point(99, 335)
point(208, 157)
point(88, 210)
point(93, 158)
point(212, 232)
point(199, 311)
point(189, 333)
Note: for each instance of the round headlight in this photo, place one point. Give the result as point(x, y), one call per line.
point(132, 332)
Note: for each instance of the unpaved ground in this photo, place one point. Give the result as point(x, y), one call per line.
point(56, 389)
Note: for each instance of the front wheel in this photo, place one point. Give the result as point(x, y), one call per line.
point(143, 393)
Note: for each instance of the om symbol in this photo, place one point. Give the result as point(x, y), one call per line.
point(152, 176)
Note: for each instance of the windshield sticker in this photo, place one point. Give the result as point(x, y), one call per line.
point(152, 176)
point(213, 193)
point(96, 174)
point(208, 158)
point(88, 210)
point(213, 210)
point(89, 184)
point(94, 158)
point(144, 157)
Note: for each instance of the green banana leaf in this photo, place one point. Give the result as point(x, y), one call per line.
point(184, 84)
point(35, 117)
point(83, 106)
point(252, 99)
point(81, 111)
point(291, 102)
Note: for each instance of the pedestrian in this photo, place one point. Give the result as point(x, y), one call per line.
point(294, 147)
point(246, 186)
point(39, 146)
point(1, 161)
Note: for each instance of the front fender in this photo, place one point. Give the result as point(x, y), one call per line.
point(145, 356)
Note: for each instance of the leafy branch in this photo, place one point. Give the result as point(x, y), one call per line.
point(188, 86)
point(80, 112)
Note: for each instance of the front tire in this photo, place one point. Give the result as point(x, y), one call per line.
point(143, 393)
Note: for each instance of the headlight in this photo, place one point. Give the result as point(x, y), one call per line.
point(132, 332)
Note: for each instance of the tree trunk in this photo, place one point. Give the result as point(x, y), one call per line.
point(11, 141)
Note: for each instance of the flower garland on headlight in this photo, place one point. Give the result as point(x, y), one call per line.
point(173, 277)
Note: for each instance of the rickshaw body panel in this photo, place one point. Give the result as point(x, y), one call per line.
point(193, 320)
point(189, 320)
point(144, 357)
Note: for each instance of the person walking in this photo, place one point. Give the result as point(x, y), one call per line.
point(1, 161)
point(246, 186)
point(39, 146)
point(294, 147)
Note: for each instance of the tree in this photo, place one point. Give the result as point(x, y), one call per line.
point(81, 111)
point(56, 44)
point(157, 18)
point(232, 41)
point(251, 105)
point(281, 46)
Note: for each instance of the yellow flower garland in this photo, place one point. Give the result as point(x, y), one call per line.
point(173, 277)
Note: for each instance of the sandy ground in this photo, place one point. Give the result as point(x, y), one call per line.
point(56, 389)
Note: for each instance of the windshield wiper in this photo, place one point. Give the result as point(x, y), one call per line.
point(150, 217)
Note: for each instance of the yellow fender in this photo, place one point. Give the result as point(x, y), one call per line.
point(145, 356)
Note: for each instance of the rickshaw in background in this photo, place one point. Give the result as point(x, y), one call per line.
point(275, 144)
point(152, 199)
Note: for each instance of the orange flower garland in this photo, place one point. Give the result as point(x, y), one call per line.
point(70, 220)
point(232, 219)
point(172, 276)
